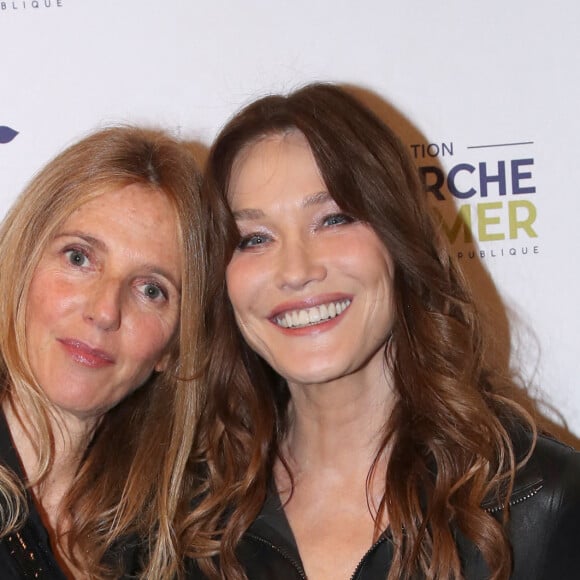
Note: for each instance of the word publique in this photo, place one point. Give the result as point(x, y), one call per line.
point(30, 4)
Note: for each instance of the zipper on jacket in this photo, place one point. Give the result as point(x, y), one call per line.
point(282, 553)
point(491, 510)
point(511, 503)
point(298, 567)
point(360, 565)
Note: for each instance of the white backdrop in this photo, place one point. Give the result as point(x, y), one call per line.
point(485, 91)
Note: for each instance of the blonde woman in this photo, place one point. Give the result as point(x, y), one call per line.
point(99, 266)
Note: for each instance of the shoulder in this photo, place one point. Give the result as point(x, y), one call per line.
point(551, 474)
point(549, 451)
point(544, 517)
point(555, 468)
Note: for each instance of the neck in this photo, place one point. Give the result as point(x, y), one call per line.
point(70, 438)
point(338, 424)
point(49, 485)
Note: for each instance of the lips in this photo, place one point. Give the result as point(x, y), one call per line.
point(86, 355)
point(303, 317)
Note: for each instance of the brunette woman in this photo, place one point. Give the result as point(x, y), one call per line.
point(354, 426)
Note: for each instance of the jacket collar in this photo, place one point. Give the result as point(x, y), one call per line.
point(528, 480)
point(272, 524)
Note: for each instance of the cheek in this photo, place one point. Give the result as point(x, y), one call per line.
point(379, 266)
point(239, 286)
point(385, 290)
point(389, 276)
point(149, 338)
point(243, 292)
point(384, 271)
point(48, 299)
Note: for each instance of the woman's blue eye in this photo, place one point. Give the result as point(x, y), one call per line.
point(251, 241)
point(76, 257)
point(337, 219)
point(153, 292)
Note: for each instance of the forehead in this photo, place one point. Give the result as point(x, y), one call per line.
point(268, 142)
point(131, 219)
point(137, 204)
point(277, 166)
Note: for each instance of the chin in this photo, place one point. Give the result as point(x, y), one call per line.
point(311, 376)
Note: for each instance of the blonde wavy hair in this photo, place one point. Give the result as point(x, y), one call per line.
point(132, 476)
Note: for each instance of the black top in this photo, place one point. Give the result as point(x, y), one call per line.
point(543, 528)
point(27, 553)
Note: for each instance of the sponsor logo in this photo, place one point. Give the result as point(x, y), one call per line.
point(483, 196)
point(7, 134)
point(22, 5)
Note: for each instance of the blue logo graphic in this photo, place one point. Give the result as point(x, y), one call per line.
point(7, 134)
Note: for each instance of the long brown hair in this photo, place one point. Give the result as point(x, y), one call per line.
point(449, 428)
point(131, 479)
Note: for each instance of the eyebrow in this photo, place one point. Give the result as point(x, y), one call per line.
point(83, 236)
point(101, 246)
point(318, 198)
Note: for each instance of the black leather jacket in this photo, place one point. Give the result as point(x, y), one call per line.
point(544, 529)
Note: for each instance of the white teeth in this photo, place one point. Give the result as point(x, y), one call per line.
point(313, 315)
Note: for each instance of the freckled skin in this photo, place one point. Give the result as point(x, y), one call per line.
point(104, 301)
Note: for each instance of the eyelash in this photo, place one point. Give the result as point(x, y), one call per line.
point(246, 241)
point(341, 218)
point(76, 250)
point(162, 291)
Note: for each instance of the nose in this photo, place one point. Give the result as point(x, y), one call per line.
point(103, 305)
point(299, 264)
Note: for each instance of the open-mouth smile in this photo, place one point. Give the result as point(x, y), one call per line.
point(313, 315)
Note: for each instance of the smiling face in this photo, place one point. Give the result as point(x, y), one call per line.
point(104, 300)
point(310, 286)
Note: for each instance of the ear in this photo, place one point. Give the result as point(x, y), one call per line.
point(162, 363)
